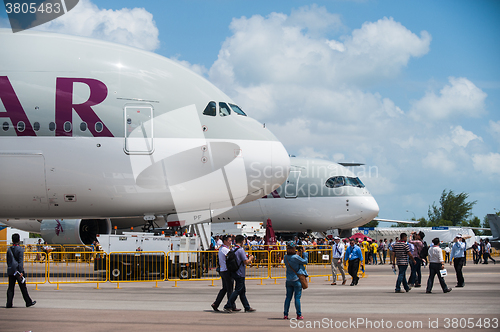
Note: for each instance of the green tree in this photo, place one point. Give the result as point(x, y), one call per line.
point(452, 210)
point(372, 223)
point(474, 222)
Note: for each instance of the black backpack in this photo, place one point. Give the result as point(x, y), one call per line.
point(425, 251)
point(231, 261)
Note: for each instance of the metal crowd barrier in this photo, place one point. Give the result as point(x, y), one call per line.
point(192, 265)
point(135, 266)
point(75, 267)
point(35, 270)
point(62, 266)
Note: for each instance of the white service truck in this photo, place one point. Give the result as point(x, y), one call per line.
point(142, 256)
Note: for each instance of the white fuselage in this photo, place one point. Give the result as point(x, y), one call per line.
point(90, 129)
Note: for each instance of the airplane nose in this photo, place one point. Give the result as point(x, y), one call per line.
point(369, 208)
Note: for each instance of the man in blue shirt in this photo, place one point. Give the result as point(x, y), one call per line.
point(239, 277)
point(458, 258)
point(354, 256)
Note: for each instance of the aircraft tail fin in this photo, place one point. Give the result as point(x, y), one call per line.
point(494, 225)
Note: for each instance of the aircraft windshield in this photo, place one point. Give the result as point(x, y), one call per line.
point(224, 109)
point(210, 109)
point(340, 181)
point(237, 109)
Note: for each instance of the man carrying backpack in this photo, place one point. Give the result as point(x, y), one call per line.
point(236, 262)
point(225, 275)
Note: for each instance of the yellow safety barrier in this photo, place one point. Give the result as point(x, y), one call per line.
point(76, 248)
point(259, 269)
point(192, 265)
point(319, 263)
point(136, 266)
point(34, 271)
point(61, 266)
point(76, 267)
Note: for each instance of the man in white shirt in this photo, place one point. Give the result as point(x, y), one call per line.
point(218, 242)
point(487, 252)
point(337, 257)
point(436, 264)
point(227, 280)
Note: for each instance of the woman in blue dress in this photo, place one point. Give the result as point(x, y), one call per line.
point(294, 265)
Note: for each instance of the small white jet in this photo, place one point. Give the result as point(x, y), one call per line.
point(91, 130)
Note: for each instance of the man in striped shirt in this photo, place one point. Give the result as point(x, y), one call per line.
point(399, 255)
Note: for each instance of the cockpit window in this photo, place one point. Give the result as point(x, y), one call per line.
point(210, 109)
point(340, 181)
point(224, 109)
point(335, 182)
point(237, 109)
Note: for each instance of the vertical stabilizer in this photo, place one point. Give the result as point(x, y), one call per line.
point(494, 225)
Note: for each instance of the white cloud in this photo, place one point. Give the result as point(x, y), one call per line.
point(199, 69)
point(314, 92)
point(494, 129)
point(295, 49)
point(461, 97)
point(381, 48)
point(309, 152)
point(439, 160)
point(488, 164)
point(462, 137)
point(134, 27)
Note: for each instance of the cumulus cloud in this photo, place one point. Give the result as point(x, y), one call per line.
point(199, 69)
point(134, 27)
point(461, 97)
point(281, 49)
point(316, 92)
point(462, 137)
point(439, 160)
point(488, 164)
point(494, 129)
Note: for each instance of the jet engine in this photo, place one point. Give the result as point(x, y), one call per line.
point(73, 231)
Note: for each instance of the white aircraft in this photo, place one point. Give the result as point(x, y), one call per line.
point(92, 130)
point(318, 195)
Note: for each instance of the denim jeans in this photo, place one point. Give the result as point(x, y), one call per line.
point(416, 271)
point(293, 287)
point(402, 278)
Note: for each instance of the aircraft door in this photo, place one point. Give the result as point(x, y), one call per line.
point(292, 184)
point(22, 183)
point(138, 129)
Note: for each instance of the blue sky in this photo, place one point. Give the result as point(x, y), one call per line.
point(410, 88)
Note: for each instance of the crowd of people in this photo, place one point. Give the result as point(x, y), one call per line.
point(405, 251)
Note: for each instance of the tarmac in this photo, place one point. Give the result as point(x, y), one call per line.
point(372, 304)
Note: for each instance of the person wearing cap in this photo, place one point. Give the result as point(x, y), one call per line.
point(458, 258)
point(337, 257)
point(294, 266)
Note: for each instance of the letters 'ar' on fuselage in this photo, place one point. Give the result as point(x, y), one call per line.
point(94, 129)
